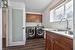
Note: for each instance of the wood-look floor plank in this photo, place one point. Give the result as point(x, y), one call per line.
point(33, 44)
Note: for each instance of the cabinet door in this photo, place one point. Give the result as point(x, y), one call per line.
point(33, 18)
point(49, 43)
point(59, 46)
point(58, 42)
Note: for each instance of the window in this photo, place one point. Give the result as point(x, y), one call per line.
point(65, 11)
point(51, 15)
point(59, 14)
point(69, 10)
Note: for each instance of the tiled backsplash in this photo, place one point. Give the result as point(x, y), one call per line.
point(33, 24)
point(59, 25)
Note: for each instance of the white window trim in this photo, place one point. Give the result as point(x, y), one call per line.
point(63, 4)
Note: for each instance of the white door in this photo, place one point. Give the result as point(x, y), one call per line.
point(16, 26)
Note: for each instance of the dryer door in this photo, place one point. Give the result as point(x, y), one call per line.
point(31, 32)
point(40, 32)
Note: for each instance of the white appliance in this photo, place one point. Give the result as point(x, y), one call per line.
point(30, 32)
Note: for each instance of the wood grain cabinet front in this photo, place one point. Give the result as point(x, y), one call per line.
point(58, 42)
point(49, 44)
point(33, 18)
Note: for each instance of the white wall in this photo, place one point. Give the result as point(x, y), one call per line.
point(56, 25)
point(46, 14)
point(46, 19)
point(0, 29)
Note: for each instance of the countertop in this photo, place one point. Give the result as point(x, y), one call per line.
point(64, 33)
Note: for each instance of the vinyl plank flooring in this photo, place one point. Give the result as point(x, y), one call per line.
point(32, 44)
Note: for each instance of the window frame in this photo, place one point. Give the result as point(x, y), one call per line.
point(58, 8)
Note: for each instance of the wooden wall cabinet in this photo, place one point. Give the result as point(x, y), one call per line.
point(58, 42)
point(33, 18)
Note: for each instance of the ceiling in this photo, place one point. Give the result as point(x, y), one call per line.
point(35, 5)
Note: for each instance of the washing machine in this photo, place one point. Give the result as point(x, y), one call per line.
point(30, 32)
point(39, 32)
